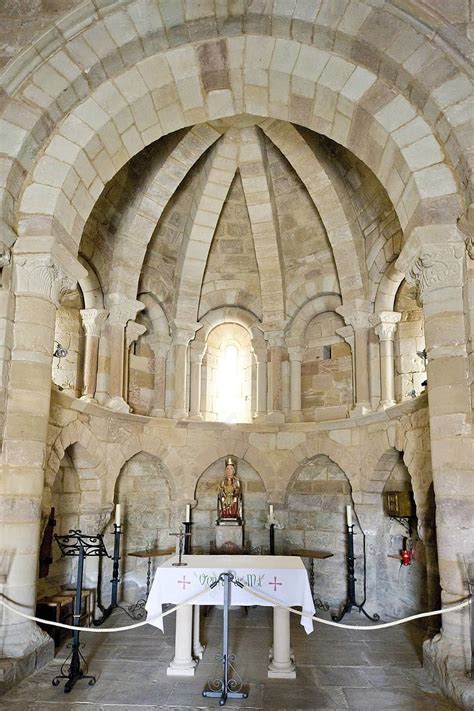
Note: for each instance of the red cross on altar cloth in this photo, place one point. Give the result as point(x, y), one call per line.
point(184, 582)
point(274, 582)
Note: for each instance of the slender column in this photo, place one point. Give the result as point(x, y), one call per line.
point(385, 324)
point(261, 359)
point(276, 344)
point(93, 321)
point(181, 338)
point(133, 331)
point(39, 281)
point(347, 334)
point(160, 346)
point(296, 356)
point(281, 665)
point(198, 647)
point(183, 664)
point(122, 310)
point(435, 260)
point(356, 314)
point(197, 355)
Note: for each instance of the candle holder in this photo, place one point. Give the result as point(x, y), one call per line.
point(106, 612)
point(351, 580)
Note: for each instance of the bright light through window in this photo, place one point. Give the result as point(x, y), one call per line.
point(229, 385)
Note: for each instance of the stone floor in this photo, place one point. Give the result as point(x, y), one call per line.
point(336, 669)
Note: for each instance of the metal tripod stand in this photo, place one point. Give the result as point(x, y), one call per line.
point(227, 687)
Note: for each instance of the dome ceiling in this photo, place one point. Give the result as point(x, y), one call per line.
point(217, 215)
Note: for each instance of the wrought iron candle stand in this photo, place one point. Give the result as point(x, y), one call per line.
point(227, 687)
point(77, 544)
point(115, 578)
point(187, 537)
point(351, 580)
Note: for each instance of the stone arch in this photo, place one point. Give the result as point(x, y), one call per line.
point(89, 61)
point(415, 199)
point(387, 288)
point(156, 316)
point(300, 321)
point(149, 445)
point(90, 286)
point(231, 314)
point(312, 447)
point(77, 433)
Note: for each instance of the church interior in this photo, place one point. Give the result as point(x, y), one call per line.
point(238, 233)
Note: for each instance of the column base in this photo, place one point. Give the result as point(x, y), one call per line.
point(88, 398)
point(157, 412)
point(448, 667)
point(196, 417)
point(118, 404)
point(187, 669)
point(198, 650)
point(362, 408)
point(180, 415)
point(275, 417)
point(384, 404)
point(295, 416)
point(277, 670)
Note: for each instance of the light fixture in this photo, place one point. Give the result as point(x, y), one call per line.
point(59, 352)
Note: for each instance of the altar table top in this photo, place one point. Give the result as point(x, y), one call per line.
point(283, 578)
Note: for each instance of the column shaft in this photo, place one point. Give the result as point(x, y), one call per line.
point(281, 665)
point(183, 664)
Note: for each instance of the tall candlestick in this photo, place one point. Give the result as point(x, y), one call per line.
point(349, 515)
point(117, 515)
point(188, 513)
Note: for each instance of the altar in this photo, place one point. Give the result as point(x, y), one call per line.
point(283, 578)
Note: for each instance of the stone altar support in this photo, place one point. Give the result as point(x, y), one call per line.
point(283, 578)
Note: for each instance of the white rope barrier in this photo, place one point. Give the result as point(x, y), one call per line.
point(383, 625)
point(104, 630)
point(275, 603)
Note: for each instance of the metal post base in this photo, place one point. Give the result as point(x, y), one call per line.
point(348, 607)
point(73, 673)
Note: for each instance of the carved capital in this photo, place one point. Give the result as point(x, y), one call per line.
point(355, 314)
point(40, 275)
point(295, 353)
point(436, 267)
point(466, 227)
point(122, 309)
point(385, 323)
point(93, 321)
point(5, 255)
point(133, 331)
point(274, 339)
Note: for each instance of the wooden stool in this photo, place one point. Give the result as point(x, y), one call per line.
point(57, 608)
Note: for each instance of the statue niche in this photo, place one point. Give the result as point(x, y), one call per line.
point(229, 497)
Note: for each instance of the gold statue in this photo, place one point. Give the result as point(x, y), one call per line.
point(229, 495)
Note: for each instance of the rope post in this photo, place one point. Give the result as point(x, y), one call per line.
point(470, 580)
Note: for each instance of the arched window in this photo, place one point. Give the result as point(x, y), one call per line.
point(229, 384)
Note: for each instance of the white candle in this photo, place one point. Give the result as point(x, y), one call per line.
point(349, 515)
point(188, 513)
point(117, 515)
point(271, 509)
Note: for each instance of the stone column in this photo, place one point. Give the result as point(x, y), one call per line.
point(296, 357)
point(434, 259)
point(276, 344)
point(181, 338)
point(198, 647)
point(261, 360)
point(160, 346)
point(347, 334)
point(385, 324)
point(281, 665)
point(197, 355)
point(133, 331)
point(183, 664)
point(39, 282)
point(93, 321)
point(122, 310)
point(356, 314)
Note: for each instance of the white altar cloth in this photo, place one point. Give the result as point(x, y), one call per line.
point(284, 578)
